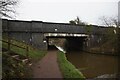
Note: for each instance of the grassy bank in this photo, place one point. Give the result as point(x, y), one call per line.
point(12, 68)
point(16, 69)
point(0, 64)
point(34, 53)
point(68, 70)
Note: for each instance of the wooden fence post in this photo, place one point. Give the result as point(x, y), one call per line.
point(9, 41)
point(27, 51)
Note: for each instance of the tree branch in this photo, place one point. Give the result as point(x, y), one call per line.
point(7, 7)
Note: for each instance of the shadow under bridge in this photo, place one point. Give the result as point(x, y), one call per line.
point(70, 42)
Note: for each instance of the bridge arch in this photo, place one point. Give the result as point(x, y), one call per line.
point(72, 42)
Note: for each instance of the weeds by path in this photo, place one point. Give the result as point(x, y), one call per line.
point(68, 70)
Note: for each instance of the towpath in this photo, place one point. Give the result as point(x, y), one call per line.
point(47, 67)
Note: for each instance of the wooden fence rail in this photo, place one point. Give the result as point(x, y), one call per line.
point(10, 43)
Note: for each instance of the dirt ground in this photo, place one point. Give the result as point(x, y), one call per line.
point(47, 67)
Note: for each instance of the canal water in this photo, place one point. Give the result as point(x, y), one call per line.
point(93, 65)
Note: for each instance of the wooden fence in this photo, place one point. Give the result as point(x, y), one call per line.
point(9, 42)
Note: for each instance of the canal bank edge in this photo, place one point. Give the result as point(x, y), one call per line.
point(67, 69)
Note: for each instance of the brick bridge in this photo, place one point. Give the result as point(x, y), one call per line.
point(37, 33)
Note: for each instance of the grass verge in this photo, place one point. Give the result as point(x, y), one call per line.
point(68, 70)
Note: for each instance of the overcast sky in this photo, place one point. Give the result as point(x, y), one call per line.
point(62, 11)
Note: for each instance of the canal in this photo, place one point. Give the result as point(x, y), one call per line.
point(90, 64)
point(93, 65)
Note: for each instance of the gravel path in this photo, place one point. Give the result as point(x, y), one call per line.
point(47, 67)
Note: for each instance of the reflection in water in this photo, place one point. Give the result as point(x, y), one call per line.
point(93, 65)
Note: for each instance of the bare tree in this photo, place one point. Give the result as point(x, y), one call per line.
point(7, 7)
point(109, 21)
point(112, 34)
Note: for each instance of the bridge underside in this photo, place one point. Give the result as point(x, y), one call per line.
point(75, 44)
point(72, 42)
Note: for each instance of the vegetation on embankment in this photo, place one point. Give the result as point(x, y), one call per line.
point(16, 69)
point(12, 68)
point(0, 64)
point(68, 70)
point(34, 54)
